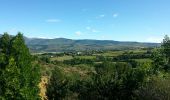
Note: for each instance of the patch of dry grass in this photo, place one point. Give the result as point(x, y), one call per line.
point(43, 87)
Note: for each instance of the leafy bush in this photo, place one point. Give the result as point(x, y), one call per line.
point(111, 81)
point(157, 88)
point(58, 85)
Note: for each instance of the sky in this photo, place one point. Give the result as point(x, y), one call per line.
point(120, 20)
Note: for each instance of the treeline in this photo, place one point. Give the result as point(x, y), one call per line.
point(77, 61)
point(19, 78)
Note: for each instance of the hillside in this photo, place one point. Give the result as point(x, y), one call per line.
point(65, 45)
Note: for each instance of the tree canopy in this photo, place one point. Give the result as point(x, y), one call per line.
point(18, 76)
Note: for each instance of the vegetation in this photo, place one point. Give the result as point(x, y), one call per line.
point(19, 77)
point(136, 74)
point(68, 45)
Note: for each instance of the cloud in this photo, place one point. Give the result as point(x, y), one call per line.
point(154, 39)
point(95, 31)
point(92, 30)
point(78, 33)
point(88, 28)
point(42, 37)
point(115, 15)
point(53, 20)
point(100, 16)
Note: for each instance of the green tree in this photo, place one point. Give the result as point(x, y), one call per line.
point(12, 75)
point(166, 50)
point(19, 77)
point(4, 43)
point(159, 60)
point(161, 56)
point(28, 81)
point(4, 53)
point(166, 46)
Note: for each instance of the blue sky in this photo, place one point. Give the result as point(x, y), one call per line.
point(123, 20)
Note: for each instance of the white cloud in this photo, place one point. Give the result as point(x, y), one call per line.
point(53, 20)
point(88, 28)
point(42, 37)
point(92, 29)
point(154, 39)
point(115, 15)
point(95, 31)
point(78, 33)
point(100, 16)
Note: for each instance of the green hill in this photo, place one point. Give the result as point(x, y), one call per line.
point(65, 45)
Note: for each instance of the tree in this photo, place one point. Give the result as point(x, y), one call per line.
point(12, 86)
point(159, 60)
point(4, 43)
point(29, 82)
point(19, 76)
point(166, 46)
point(161, 56)
point(4, 53)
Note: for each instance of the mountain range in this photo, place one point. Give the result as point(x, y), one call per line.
point(66, 45)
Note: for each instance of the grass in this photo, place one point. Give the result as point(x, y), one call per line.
point(43, 87)
point(112, 53)
point(86, 57)
point(143, 60)
point(61, 58)
point(137, 51)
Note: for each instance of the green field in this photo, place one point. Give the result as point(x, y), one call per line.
point(61, 58)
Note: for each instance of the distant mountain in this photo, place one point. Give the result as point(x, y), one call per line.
point(65, 45)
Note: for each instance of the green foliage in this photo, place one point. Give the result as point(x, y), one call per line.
point(157, 88)
point(57, 87)
point(107, 76)
point(45, 59)
point(77, 61)
point(112, 82)
point(161, 56)
point(159, 60)
point(109, 81)
point(17, 72)
point(4, 43)
point(166, 46)
point(12, 75)
point(68, 45)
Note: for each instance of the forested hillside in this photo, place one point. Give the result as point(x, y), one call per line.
point(37, 45)
point(66, 45)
